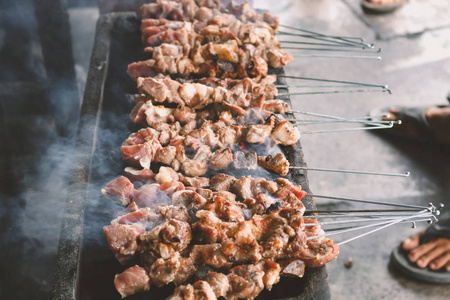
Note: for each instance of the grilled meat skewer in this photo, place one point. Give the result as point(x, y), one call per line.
point(203, 11)
point(244, 93)
point(161, 233)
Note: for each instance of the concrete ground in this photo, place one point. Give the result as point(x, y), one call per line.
point(415, 42)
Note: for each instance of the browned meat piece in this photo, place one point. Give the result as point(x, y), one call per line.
point(200, 290)
point(133, 280)
point(220, 159)
point(272, 20)
point(119, 189)
point(292, 267)
point(210, 229)
point(285, 133)
point(278, 58)
point(275, 245)
point(158, 114)
point(170, 237)
point(203, 14)
point(271, 272)
point(243, 187)
point(245, 160)
point(257, 134)
point(174, 212)
point(225, 194)
point(197, 182)
point(218, 282)
point(196, 95)
point(243, 247)
point(194, 167)
point(188, 199)
point(140, 175)
point(222, 182)
point(166, 174)
point(123, 240)
point(229, 136)
point(276, 106)
point(164, 271)
point(205, 193)
point(277, 164)
point(142, 136)
point(285, 187)
point(211, 255)
point(257, 67)
point(184, 114)
point(165, 155)
point(317, 252)
point(246, 282)
point(153, 87)
point(187, 269)
point(227, 210)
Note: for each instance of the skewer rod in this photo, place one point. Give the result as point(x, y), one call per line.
point(338, 56)
point(336, 92)
point(368, 201)
point(352, 172)
point(346, 39)
point(330, 49)
point(331, 80)
point(347, 129)
point(359, 221)
point(372, 231)
point(383, 224)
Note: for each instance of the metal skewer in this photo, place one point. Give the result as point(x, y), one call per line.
point(352, 172)
point(374, 230)
point(334, 81)
point(319, 38)
point(384, 224)
point(364, 220)
point(350, 129)
point(330, 49)
point(338, 56)
point(374, 124)
point(335, 92)
point(281, 86)
point(345, 39)
point(313, 122)
point(323, 44)
point(370, 201)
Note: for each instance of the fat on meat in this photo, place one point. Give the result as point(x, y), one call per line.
point(132, 281)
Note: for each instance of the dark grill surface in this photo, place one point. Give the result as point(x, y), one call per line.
point(105, 124)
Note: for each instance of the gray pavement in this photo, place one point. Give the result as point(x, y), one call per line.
point(416, 66)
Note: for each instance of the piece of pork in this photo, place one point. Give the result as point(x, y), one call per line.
point(131, 281)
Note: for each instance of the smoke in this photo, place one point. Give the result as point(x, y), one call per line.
point(38, 122)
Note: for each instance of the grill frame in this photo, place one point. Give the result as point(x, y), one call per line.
point(85, 266)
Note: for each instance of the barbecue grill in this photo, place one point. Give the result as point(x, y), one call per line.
point(85, 265)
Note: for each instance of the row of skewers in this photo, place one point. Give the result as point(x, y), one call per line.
point(205, 96)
